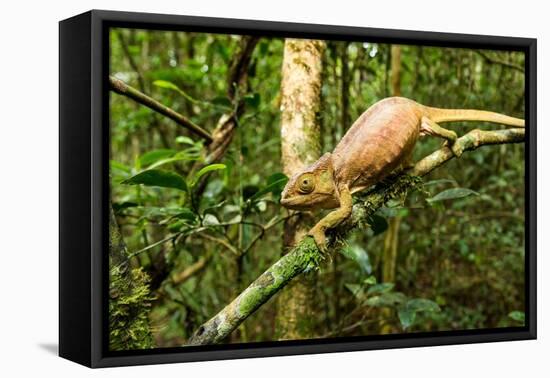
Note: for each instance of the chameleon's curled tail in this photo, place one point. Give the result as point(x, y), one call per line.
point(449, 115)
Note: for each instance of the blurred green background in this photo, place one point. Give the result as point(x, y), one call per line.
point(458, 264)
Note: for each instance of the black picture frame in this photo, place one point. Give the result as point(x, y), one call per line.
point(84, 187)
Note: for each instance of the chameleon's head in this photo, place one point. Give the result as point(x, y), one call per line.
point(312, 188)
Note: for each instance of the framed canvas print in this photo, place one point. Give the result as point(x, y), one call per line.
point(234, 188)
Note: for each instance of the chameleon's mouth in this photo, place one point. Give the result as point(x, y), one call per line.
point(293, 203)
point(318, 201)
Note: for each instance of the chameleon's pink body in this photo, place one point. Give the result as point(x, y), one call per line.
point(377, 143)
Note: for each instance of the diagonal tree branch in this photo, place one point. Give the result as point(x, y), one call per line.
point(305, 256)
point(237, 86)
point(504, 63)
point(120, 87)
point(131, 60)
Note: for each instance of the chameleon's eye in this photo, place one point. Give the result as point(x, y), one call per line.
point(307, 184)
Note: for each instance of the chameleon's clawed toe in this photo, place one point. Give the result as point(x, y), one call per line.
point(320, 239)
point(457, 149)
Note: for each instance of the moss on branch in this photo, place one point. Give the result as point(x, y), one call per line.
point(129, 297)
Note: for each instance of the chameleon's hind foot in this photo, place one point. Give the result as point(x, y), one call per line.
point(429, 127)
point(456, 148)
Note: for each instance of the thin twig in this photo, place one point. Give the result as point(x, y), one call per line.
point(261, 234)
point(191, 270)
point(221, 242)
point(351, 327)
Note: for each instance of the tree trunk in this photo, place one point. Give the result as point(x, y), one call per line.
point(300, 138)
point(392, 235)
point(391, 240)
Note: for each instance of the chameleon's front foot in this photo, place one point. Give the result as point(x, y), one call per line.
point(332, 219)
point(318, 234)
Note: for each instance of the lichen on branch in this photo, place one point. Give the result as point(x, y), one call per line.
point(302, 258)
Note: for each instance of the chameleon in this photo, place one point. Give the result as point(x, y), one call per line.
point(379, 142)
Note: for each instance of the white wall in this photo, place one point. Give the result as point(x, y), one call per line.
point(28, 190)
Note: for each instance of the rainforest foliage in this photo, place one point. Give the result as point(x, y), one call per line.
point(200, 219)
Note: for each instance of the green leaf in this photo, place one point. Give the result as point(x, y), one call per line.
point(355, 289)
point(157, 177)
point(407, 312)
point(176, 226)
point(210, 220)
point(236, 219)
point(185, 140)
point(453, 193)
point(381, 288)
point(252, 100)
point(406, 317)
point(271, 188)
point(518, 316)
point(249, 191)
point(118, 206)
point(152, 156)
point(221, 101)
point(378, 224)
point(386, 300)
point(276, 177)
point(180, 156)
point(359, 255)
point(155, 212)
point(166, 85)
point(115, 165)
point(370, 280)
point(275, 184)
point(208, 168)
point(439, 181)
point(423, 305)
point(184, 214)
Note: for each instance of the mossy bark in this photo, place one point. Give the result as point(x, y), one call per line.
point(305, 256)
point(301, 146)
point(129, 297)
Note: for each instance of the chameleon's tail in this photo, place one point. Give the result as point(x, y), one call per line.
point(449, 115)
